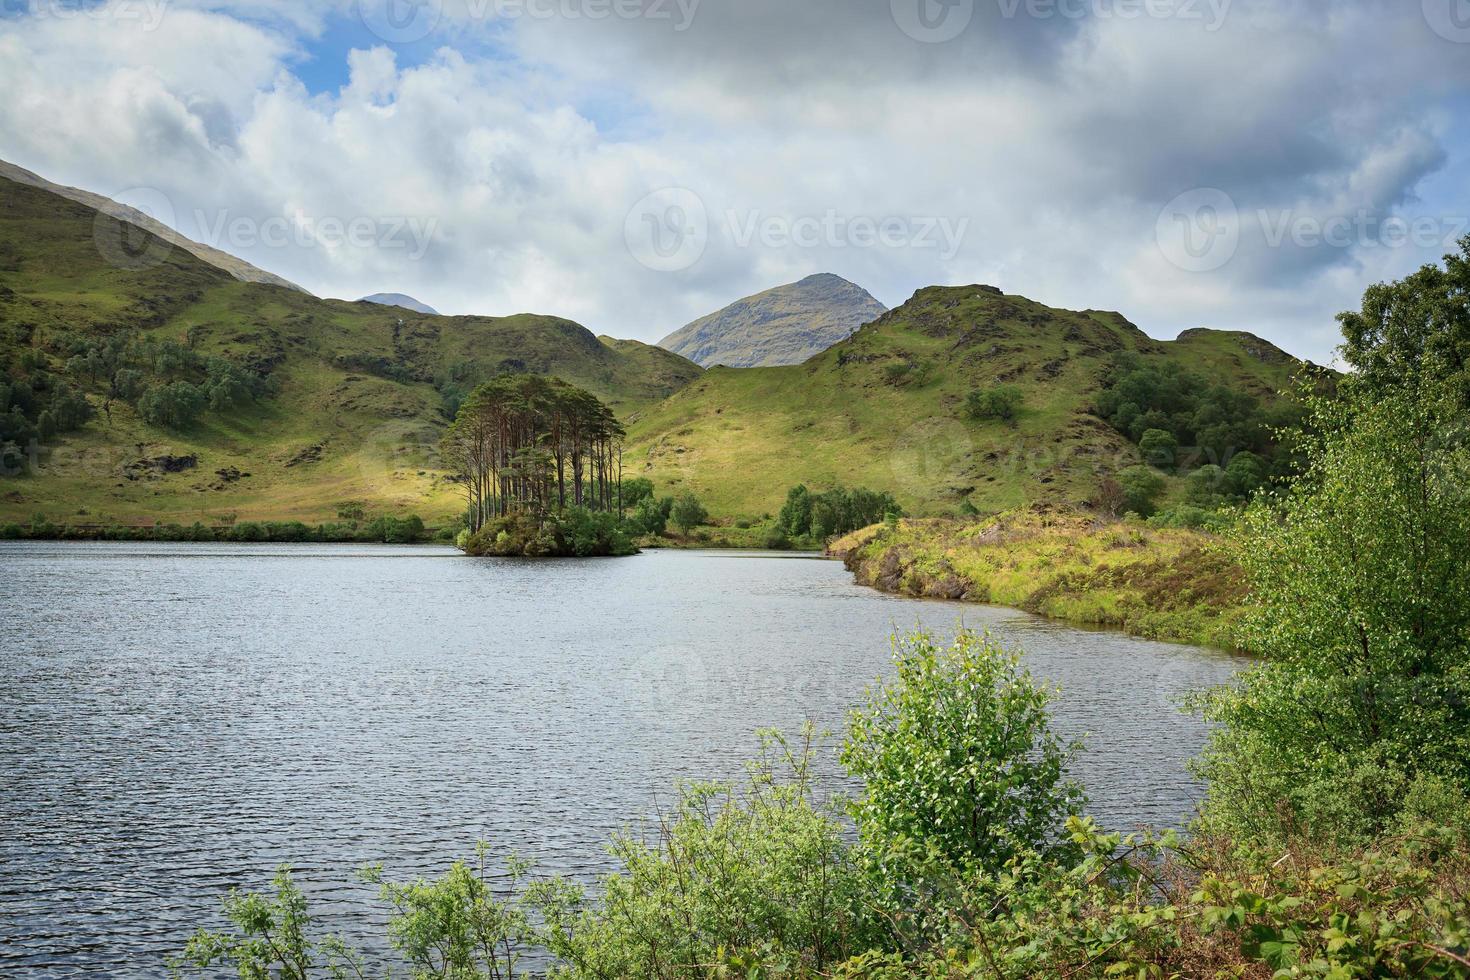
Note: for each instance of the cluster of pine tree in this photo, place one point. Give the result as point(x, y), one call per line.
point(527, 444)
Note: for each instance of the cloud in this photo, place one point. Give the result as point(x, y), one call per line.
point(500, 168)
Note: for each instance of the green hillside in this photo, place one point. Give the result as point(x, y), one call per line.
point(887, 408)
point(353, 395)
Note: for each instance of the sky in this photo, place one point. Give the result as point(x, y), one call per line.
point(635, 164)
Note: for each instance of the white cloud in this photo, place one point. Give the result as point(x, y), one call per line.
point(1053, 141)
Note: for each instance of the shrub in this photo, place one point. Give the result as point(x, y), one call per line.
point(1159, 448)
point(587, 533)
point(635, 491)
point(652, 516)
point(1002, 403)
point(957, 757)
point(1141, 488)
point(1206, 485)
point(776, 541)
point(687, 512)
point(175, 405)
point(578, 532)
point(735, 876)
point(1245, 474)
point(1361, 605)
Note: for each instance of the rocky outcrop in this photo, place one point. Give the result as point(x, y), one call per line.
point(782, 326)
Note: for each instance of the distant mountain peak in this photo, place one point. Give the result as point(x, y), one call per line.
point(399, 299)
point(786, 325)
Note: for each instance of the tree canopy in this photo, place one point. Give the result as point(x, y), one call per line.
point(532, 444)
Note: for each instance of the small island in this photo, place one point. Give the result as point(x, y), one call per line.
point(541, 464)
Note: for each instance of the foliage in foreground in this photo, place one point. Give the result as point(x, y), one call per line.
point(1362, 609)
point(760, 880)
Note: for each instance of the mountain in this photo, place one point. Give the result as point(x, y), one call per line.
point(353, 396)
point(398, 299)
point(886, 408)
point(237, 268)
point(781, 326)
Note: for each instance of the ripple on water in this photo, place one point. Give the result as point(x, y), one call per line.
point(179, 719)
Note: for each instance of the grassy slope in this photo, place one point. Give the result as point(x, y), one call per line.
point(332, 434)
point(741, 438)
point(1165, 584)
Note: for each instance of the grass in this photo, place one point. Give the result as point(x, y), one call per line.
point(1176, 585)
point(886, 409)
point(359, 410)
point(336, 431)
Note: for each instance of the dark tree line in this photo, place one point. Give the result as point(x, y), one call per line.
point(532, 444)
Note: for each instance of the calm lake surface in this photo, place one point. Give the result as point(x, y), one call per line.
point(176, 720)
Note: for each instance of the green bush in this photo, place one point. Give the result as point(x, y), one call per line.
point(738, 875)
point(1193, 518)
point(687, 512)
point(175, 405)
point(635, 491)
point(1206, 486)
point(652, 516)
point(577, 533)
point(1141, 487)
point(957, 758)
point(1360, 597)
point(1000, 403)
point(1159, 448)
point(836, 512)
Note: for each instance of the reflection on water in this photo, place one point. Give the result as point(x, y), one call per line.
point(176, 720)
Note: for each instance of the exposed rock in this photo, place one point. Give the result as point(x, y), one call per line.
point(156, 466)
point(311, 454)
point(787, 325)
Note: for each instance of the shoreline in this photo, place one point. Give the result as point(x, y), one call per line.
point(1168, 585)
